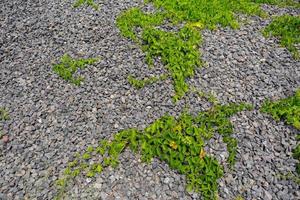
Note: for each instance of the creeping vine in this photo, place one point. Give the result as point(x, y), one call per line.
point(179, 142)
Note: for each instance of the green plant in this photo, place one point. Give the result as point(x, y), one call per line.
point(279, 2)
point(210, 97)
point(4, 115)
point(289, 110)
point(179, 142)
point(179, 50)
point(290, 176)
point(239, 197)
point(286, 109)
point(68, 67)
point(91, 3)
point(142, 83)
point(286, 28)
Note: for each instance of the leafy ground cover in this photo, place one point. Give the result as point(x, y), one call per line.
point(178, 50)
point(91, 3)
point(68, 67)
point(288, 110)
point(179, 142)
point(4, 115)
point(286, 28)
point(279, 2)
point(147, 81)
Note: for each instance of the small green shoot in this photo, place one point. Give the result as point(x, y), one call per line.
point(147, 81)
point(68, 67)
point(91, 3)
point(4, 115)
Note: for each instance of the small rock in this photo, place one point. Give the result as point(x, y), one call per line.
point(5, 139)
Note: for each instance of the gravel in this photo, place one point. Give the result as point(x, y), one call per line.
point(51, 119)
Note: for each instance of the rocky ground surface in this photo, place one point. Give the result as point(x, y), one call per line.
point(51, 119)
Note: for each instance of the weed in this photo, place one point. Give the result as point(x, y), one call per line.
point(239, 197)
point(68, 67)
point(210, 97)
point(179, 142)
point(286, 28)
point(91, 3)
point(289, 110)
point(286, 109)
point(4, 114)
point(289, 176)
point(147, 81)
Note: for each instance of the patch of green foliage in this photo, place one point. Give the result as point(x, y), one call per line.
point(147, 81)
point(286, 28)
point(239, 197)
point(135, 17)
point(289, 110)
point(91, 3)
point(286, 109)
point(208, 13)
point(4, 115)
point(279, 2)
point(179, 49)
point(290, 176)
point(68, 67)
point(179, 142)
point(210, 97)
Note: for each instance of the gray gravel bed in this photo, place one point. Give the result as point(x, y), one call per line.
point(51, 119)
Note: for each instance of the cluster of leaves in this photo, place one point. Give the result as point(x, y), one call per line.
point(210, 97)
point(208, 13)
point(286, 28)
point(289, 110)
point(179, 142)
point(279, 2)
point(147, 81)
point(68, 67)
point(290, 176)
point(4, 114)
point(91, 3)
point(285, 109)
point(3, 117)
point(178, 49)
